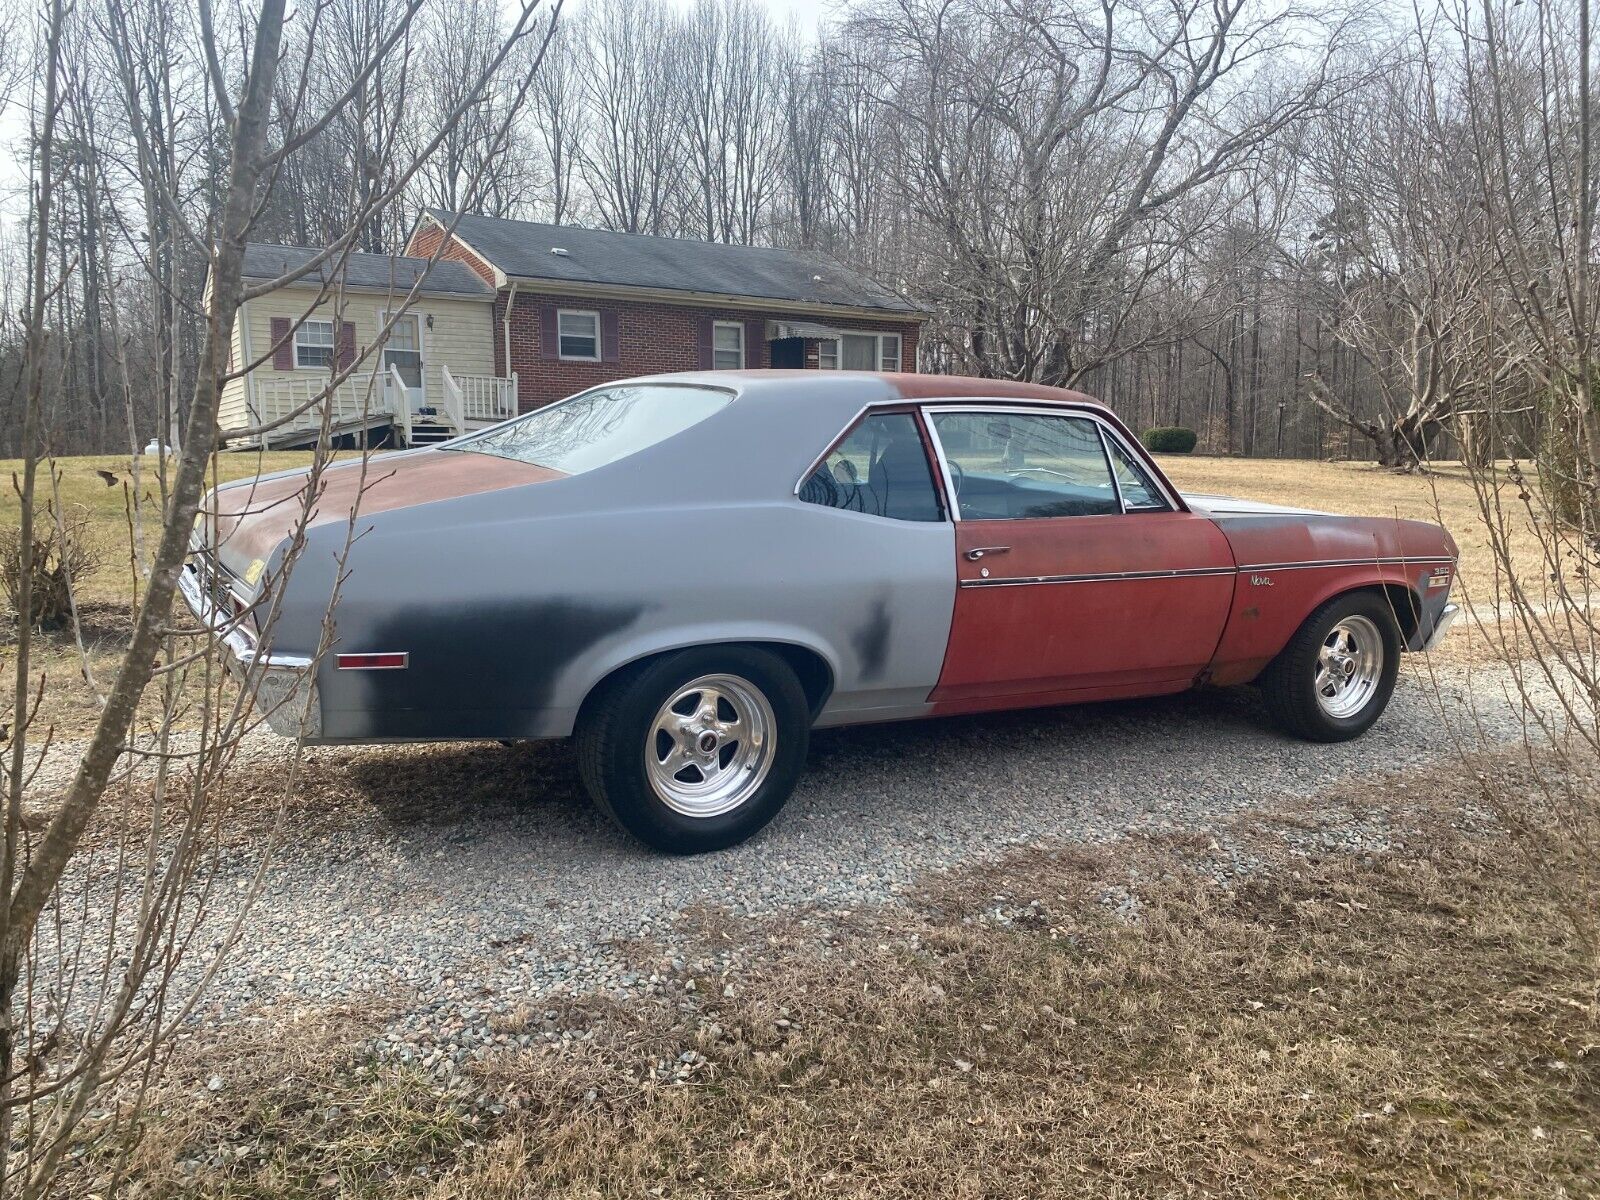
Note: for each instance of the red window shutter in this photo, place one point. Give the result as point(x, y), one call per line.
point(704, 333)
point(549, 335)
point(346, 352)
point(755, 344)
point(282, 345)
point(610, 337)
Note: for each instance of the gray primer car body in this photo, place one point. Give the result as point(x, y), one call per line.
point(513, 603)
point(514, 590)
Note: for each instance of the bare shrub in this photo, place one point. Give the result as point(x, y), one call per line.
point(61, 559)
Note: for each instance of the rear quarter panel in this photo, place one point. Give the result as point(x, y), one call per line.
point(510, 622)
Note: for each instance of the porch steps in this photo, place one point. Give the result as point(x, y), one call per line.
point(425, 433)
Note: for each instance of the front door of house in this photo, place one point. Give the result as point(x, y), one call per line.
point(402, 356)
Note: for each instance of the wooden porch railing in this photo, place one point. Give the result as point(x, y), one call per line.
point(402, 403)
point(481, 397)
point(357, 400)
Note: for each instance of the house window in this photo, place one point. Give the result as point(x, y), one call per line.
point(889, 352)
point(727, 345)
point(579, 335)
point(860, 352)
point(313, 345)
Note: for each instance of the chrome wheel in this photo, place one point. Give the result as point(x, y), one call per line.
point(710, 745)
point(1349, 666)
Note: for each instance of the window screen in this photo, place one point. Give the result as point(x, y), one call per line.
point(579, 334)
point(313, 344)
point(727, 346)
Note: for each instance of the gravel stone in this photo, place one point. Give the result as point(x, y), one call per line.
point(494, 905)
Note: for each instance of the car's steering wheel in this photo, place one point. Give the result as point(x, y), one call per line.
point(957, 476)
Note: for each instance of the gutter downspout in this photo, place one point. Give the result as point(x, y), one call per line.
point(505, 326)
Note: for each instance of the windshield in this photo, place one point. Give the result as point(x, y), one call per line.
point(599, 427)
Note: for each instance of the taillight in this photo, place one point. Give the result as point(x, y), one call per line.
point(388, 661)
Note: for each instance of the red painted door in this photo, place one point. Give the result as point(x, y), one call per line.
point(1050, 608)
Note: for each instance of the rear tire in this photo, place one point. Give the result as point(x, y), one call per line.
point(696, 750)
point(1334, 678)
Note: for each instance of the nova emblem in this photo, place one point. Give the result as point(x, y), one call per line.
point(1261, 581)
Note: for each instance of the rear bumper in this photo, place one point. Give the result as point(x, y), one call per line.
point(284, 685)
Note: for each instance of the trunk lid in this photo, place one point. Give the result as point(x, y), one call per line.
point(253, 517)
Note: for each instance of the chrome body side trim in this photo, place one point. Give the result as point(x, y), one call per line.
point(1314, 564)
point(1242, 569)
point(1102, 577)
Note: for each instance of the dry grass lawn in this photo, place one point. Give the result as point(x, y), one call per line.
point(109, 502)
point(1417, 1021)
point(69, 704)
point(1444, 495)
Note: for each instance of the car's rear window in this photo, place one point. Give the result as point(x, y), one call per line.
point(599, 427)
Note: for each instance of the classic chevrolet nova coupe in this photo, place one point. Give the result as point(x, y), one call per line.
point(687, 573)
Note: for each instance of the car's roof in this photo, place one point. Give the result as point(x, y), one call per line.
point(906, 385)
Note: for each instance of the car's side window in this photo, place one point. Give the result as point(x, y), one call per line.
point(879, 468)
point(1016, 466)
point(1139, 492)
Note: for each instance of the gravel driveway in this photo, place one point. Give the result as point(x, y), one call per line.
point(500, 885)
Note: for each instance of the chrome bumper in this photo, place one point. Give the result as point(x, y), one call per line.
point(285, 685)
point(1441, 627)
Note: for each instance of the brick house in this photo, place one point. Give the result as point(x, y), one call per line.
point(577, 307)
point(516, 314)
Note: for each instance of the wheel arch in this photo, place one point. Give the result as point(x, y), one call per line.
point(1255, 635)
point(809, 664)
point(1403, 601)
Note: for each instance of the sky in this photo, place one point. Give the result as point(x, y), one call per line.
point(807, 14)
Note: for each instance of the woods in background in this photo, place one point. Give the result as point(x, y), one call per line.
point(1261, 222)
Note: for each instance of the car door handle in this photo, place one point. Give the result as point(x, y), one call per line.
point(978, 552)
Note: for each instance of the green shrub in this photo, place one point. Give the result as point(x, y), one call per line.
point(1169, 439)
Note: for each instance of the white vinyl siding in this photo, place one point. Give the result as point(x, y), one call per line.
point(460, 334)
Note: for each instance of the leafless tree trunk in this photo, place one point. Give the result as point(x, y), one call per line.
point(53, 1064)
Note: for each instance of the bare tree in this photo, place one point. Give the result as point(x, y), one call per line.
point(1054, 155)
point(87, 1004)
point(629, 161)
point(728, 79)
point(557, 109)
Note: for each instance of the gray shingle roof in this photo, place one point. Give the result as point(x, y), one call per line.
point(383, 272)
point(522, 249)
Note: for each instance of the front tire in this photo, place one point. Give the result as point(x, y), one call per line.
point(1334, 678)
point(696, 750)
